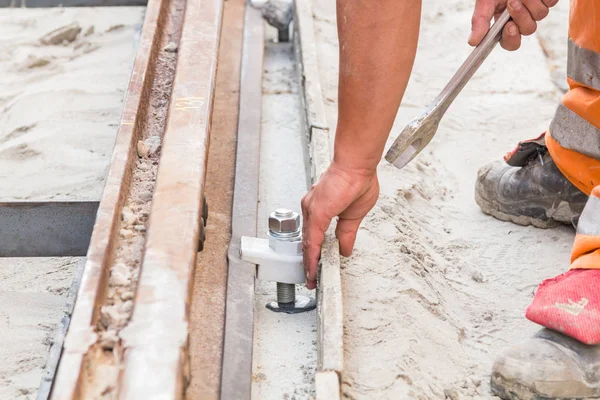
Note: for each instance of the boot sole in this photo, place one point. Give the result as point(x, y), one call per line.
point(511, 391)
point(490, 208)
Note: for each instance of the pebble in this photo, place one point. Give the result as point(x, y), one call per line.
point(67, 33)
point(140, 228)
point(452, 394)
point(111, 317)
point(89, 31)
point(142, 149)
point(120, 275)
point(144, 164)
point(488, 316)
point(171, 47)
point(127, 295)
point(126, 307)
point(128, 216)
point(36, 62)
point(153, 143)
point(126, 233)
point(145, 195)
point(477, 276)
point(116, 27)
point(109, 339)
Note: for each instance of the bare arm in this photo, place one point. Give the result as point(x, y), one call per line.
point(378, 41)
point(377, 44)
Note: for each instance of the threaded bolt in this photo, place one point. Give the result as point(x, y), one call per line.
point(286, 293)
point(283, 35)
point(283, 212)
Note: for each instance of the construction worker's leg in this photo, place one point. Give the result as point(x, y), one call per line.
point(570, 303)
point(574, 139)
point(562, 361)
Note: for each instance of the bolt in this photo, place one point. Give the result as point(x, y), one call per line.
point(286, 294)
point(283, 35)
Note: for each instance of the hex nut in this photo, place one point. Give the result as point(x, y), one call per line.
point(279, 223)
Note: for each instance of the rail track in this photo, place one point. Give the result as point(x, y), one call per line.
point(130, 319)
point(147, 305)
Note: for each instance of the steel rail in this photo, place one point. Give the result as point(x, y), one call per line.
point(155, 340)
point(236, 376)
point(92, 291)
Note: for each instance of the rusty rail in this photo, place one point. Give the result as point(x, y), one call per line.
point(236, 376)
point(148, 356)
point(156, 338)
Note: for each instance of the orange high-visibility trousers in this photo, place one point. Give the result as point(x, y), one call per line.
point(574, 135)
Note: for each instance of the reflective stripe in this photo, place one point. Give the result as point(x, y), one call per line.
point(575, 133)
point(589, 221)
point(583, 66)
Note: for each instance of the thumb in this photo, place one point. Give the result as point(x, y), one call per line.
point(346, 233)
point(480, 23)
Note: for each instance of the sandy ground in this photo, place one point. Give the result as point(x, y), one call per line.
point(435, 288)
point(60, 106)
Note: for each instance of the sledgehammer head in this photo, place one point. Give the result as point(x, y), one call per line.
point(414, 138)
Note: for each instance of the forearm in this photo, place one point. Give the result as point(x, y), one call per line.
point(378, 41)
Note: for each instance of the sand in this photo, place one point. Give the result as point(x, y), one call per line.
point(60, 107)
point(60, 104)
point(435, 288)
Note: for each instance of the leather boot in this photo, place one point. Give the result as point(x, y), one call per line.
point(535, 194)
point(548, 366)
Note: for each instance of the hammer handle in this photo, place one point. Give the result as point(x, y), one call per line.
point(471, 64)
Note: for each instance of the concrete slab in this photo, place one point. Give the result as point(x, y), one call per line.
point(46, 229)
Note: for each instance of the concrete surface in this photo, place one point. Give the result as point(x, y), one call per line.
point(285, 345)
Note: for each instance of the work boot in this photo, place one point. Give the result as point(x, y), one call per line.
point(547, 366)
point(528, 189)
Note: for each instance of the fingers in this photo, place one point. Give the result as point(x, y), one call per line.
point(312, 238)
point(537, 9)
point(521, 16)
point(511, 37)
point(480, 23)
point(550, 3)
point(524, 14)
point(346, 233)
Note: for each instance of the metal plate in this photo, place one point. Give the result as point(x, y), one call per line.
point(46, 229)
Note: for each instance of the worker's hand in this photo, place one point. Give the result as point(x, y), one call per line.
point(524, 15)
point(341, 191)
